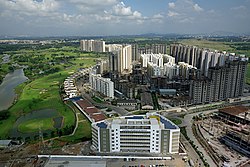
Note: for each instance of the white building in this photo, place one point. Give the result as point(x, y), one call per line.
point(121, 59)
point(92, 45)
point(151, 133)
point(171, 70)
point(102, 85)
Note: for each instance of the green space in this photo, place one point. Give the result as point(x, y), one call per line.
point(97, 99)
point(175, 121)
point(213, 45)
point(248, 74)
point(82, 133)
point(47, 69)
point(35, 125)
point(140, 112)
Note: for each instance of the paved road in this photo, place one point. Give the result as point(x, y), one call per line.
point(188, 121)
point(191, 152)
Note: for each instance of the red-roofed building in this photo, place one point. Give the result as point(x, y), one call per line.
point(92, 110)
point(98, 117)
point(84, 104)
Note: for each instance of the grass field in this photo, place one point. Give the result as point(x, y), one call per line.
point(213, 45)
point(35, 124)
point(175, 121)
point(44, 92)
point(83, 133)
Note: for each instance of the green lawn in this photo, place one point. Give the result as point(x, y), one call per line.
point(175, 121)
point(43, 92)
point(35, 124)
point(83, 133)
point(248, 74)
point(213, 45)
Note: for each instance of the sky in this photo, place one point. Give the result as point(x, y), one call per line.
point(126, 17)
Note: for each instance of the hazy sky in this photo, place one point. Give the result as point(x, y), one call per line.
point(115, 17)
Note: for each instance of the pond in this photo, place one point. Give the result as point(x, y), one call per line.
point(37, 115)
point(7, 88)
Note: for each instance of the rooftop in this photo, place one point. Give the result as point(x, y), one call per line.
point(139, 120)
point(84, 103)
point(98, 117)
point(234, 110)
point(5, 142)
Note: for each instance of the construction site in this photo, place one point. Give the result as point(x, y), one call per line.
point(225, 135)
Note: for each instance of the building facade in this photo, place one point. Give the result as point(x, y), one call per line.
point(102, 85)
point(120, 59)
point(213, 75)
point(151, 133)
point(92, 45)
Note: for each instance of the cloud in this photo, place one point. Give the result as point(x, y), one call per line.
point(122, 10)
point(238, 8)
point(94, 2)
point(30, 5)
point(197, 8)
point(171, 5)
point(183, 11)
point(172, 14)
point(158, 16)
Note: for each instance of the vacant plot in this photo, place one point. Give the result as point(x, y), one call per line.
point(213, 45)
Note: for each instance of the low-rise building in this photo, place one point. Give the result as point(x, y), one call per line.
point(127, 104)
point(151, 133)
point(235, 114)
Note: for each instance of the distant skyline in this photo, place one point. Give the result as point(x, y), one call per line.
point(127, 17)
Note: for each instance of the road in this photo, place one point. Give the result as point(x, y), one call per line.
point(188, 121)
point(191, 152)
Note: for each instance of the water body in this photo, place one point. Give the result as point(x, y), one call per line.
point(7, 92)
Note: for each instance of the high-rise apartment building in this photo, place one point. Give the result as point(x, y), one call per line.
point(221, 82)
point(92, 45)
point(151, 133)
point(102, 85)
point(120, 58)
point(218, 75)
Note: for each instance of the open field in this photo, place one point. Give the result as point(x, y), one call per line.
point(43, 91)
point(35, 124)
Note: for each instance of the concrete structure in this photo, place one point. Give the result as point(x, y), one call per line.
point(220, 84)
point(91, 112)
point(127, 104)
point(151, 133)
point(5, 143)
point(236, 115)
point(214, 75)
point(120, 59)
point(92, 45)
point(154, 48)
point(102, 85)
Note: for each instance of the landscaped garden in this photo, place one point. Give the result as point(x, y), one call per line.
point(47, 69)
